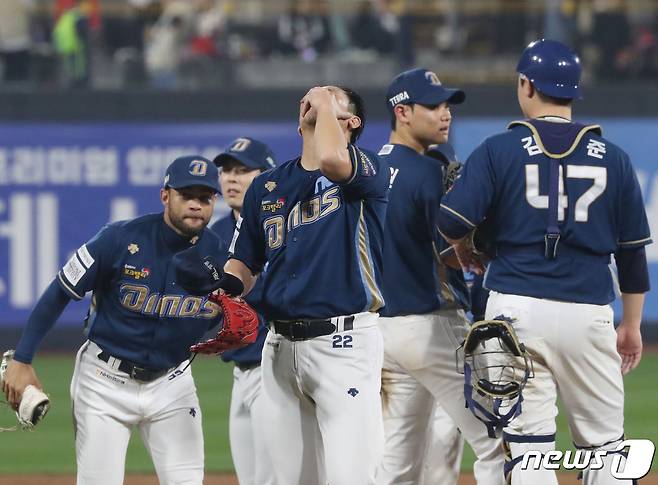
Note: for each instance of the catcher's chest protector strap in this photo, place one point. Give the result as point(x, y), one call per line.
point(556, 141)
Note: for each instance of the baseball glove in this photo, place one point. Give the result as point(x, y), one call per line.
point(240, 326)
point(34, 402)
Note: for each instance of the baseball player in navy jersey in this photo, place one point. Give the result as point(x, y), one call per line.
point(423, 321)
point(240, 163)
point(132, 372)
point(559, 199)
point(317, 222)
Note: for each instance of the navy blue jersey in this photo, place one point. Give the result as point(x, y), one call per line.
point(322, 240)
point(137, 312)
point(250, 354)
point(600, 210)
point(415, 280)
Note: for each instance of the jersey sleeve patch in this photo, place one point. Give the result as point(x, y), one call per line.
point(74, 270)
point(85, 257)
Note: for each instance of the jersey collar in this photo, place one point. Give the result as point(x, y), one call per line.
point(173, 240)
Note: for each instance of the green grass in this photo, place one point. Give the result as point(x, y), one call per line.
point(50, 448)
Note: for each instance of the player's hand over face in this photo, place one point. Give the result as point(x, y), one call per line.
point(17, 377)
point(318, 98)
point(629, 346)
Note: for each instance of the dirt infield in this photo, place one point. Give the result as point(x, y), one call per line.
point(465, 479)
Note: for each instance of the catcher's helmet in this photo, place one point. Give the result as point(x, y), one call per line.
point(496, 368)
point(552, 67)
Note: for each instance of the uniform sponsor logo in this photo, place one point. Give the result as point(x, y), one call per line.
point(133, 272)
point(268, 206)
point(85, 257)
point(353, 391)
point(270, 186)
point(198, 168)
point(74, 270)
point(133, 248)
point(398, 98)
point(102, 373)
point(633, 466)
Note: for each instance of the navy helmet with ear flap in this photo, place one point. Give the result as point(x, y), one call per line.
point(553, 68)
point(496, 368)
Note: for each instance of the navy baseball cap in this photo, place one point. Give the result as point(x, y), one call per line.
point(192, 170)
point(251, 153)
point(420, 86)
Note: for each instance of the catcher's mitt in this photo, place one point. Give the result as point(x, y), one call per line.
point(34, 402)
point(240, 326)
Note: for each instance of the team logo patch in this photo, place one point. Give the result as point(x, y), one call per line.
point(268, 206)
point(353, 391)
point(133, 272)
point(198, 168)
point(270, 186)
point(133, 248)
point(432, 78)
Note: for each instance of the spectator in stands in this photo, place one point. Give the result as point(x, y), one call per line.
point(304, 30)
point(71, 39)
point(611, 33)
point(369, 31)
point(15, 41)
point(166, 41)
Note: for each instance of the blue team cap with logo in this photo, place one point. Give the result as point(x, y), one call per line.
point(192, 170)
point(420, 86)
point(251, 153)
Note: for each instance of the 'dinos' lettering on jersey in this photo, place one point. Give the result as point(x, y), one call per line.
point(140, 299)
point(310, 211)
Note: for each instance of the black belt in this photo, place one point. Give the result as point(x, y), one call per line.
point(243, 366)
point(308, 329)
point(133, 370)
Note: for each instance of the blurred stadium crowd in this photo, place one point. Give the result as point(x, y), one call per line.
point(188, 44)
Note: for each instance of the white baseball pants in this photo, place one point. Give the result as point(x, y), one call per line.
point(324, 406)
point(422, 347)
point(573, 347)
point(248, 418)
point(108, 404)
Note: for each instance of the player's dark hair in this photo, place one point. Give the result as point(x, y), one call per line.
point(545, 98)
point(357, 107)
point(553, 100)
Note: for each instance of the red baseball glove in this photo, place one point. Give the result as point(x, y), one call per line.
point(240, 326)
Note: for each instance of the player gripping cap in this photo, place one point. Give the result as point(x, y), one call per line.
point(552, 67)
point(249, 152)
point(192, 170)
point(420, 86)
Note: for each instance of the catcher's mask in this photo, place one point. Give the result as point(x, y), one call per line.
point(496, 366)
